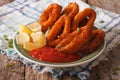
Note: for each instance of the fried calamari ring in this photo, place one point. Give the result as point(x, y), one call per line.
point(95, 42)
point(49, 16)
point(72, 45)
point(71, 10)
point(62, 27)
point(86, 13)
point(77, 42)
point(67, 39)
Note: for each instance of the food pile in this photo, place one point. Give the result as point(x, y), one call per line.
point(64, 32)
point(71, 30)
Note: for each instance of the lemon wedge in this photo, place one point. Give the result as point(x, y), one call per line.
point(23, 28)
point(39, 37)
point(30, 46)
point(22, 38)
point(35, 26)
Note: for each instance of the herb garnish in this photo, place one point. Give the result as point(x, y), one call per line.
point(78, 29)
point(9, 41)
point(115, 71)
point(75, 78)
point(9, 65)
point(58, 47)
point(102, 21)
point(12, 70)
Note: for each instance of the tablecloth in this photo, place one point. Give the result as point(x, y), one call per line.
point(27, 11)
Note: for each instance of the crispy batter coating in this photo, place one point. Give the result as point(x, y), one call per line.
point(86, 13)
point(72, 31)
point(67, 39)
point(49, 16)
point(72, 44)
point(77, 42)
point(96, 41)
point(62, 27)
point(85, 41)
point(71, 10)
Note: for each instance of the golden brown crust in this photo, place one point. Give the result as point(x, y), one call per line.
point(77, 42)
point(86, 13)
point(63, 34)
point(49, 16)
point(71, 10)
point(61, 25)
point(66, 39)
point(73, 44)
point(95, 42)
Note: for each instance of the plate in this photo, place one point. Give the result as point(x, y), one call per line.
point(85, 60)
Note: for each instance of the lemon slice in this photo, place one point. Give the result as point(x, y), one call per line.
point(30, 46)
point(35, 26)
point(23, 28)
point(39, 37)
point(22, 38)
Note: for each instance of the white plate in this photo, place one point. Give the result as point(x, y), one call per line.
point(24, 53)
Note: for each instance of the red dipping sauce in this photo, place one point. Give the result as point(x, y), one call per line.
point(51, 55)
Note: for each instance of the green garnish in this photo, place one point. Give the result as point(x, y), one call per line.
point(5, 37)
point(115, 71)
point(12, 70)
point(75, 78)
point(9, 41)
point(58, 47)
point(48, 27)
point(101, 21)
point(78, 29)
point(9, 65)
point(117, 68)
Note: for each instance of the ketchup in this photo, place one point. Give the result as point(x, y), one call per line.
point(51, 55)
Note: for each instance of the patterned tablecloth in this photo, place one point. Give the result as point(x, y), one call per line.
point(27, 11)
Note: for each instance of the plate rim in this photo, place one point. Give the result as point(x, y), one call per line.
point(60, 65)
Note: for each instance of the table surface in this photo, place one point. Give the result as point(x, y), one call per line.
point(106, 70)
